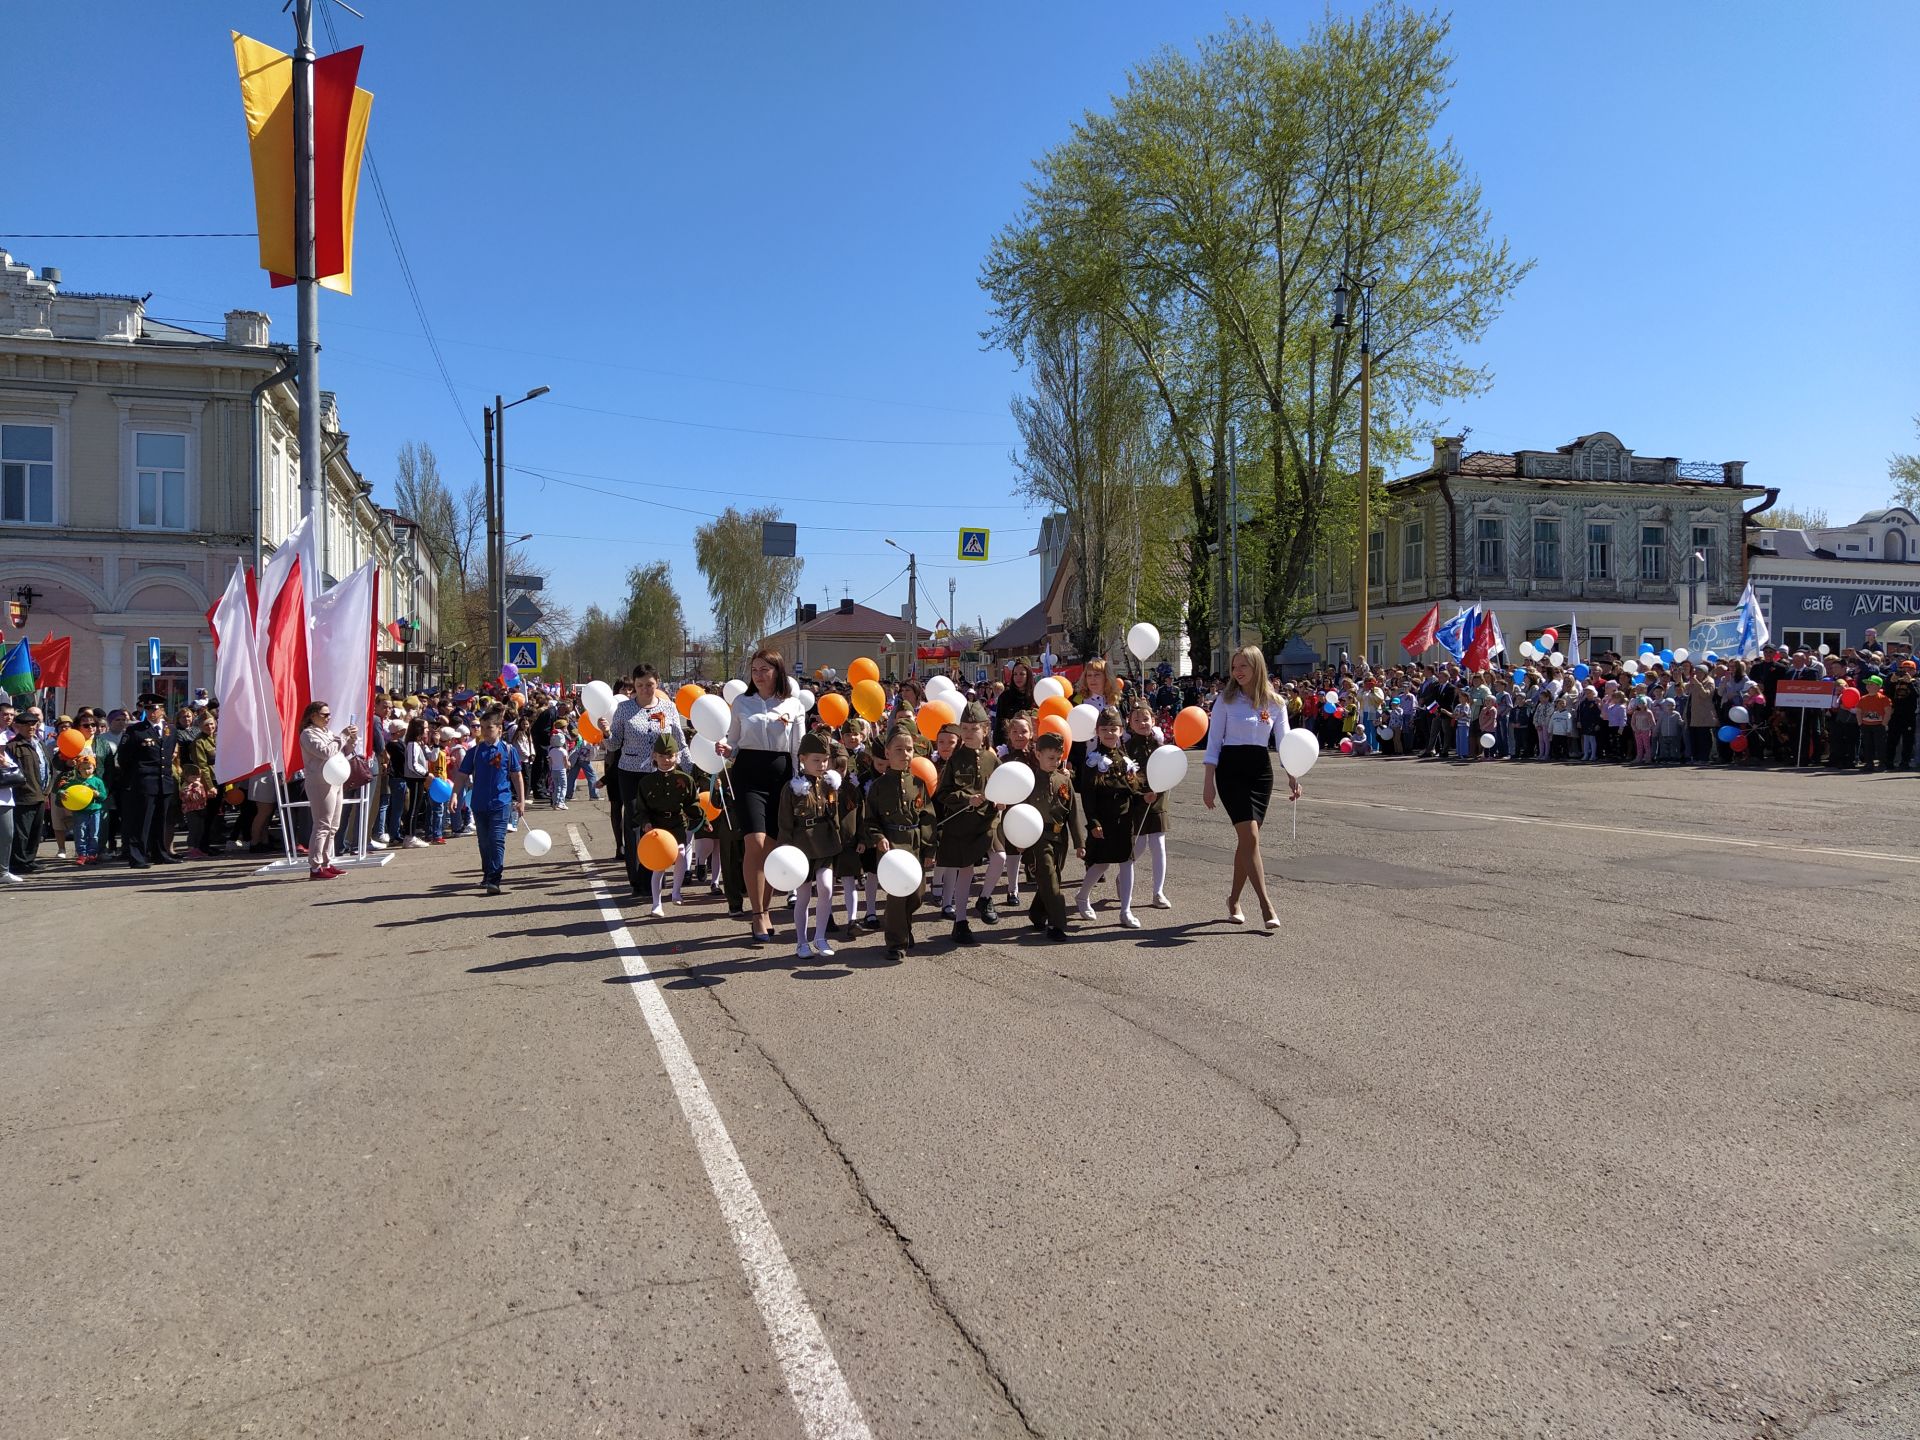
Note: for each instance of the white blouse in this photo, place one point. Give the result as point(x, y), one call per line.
point(762, 724)
point(1235, 721)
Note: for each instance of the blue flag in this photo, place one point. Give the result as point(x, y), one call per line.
point(1457, 634)
point(16, 671)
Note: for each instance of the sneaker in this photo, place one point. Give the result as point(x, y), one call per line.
point(332, 870)
point(493, 889)
point(7, 877)
point(192, 854)
point(380, 841)
point(872, 922)
point(823, 949)
point(1054, 932)
point(439, 840)
point(60, 853)
point(322, 874)
point(894, 953)
point(416, 843)
point(561, 806)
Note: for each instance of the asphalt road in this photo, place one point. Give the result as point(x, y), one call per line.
point(1551, 1111)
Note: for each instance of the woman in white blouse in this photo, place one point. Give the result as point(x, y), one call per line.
point(1244, 728)
point(763, 739)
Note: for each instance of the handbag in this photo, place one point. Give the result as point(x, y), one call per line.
point(359, 772)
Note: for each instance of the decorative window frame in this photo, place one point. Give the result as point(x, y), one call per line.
point(159, 415)
point(54, 409)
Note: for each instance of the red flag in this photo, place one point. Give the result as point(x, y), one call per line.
point(1486, 640)
point(287, 673)
point(1420, 639)
point(54, 657)
point(393, 629)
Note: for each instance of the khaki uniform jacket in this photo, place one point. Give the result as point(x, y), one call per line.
point(811, 821)
point(896, 811)
point(966, 829)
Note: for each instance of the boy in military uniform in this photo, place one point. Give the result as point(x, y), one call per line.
point(897, 816)
point(663, 798)
point(729, 850)
point(810, 822)
point(964, 818)
point(849, 864)
point(1060, 826)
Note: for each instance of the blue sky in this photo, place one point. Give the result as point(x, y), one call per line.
point(768, 218)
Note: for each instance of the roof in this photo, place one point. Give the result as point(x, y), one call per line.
point(1023, 634)
point(862, 621)
point(158, 332)
point(1497, 465)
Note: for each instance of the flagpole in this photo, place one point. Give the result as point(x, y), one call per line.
point(313, 493)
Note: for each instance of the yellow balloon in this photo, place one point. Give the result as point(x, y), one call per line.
point(77, 797)
point(869, 701)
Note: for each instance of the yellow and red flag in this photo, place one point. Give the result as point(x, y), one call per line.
point(340, 112)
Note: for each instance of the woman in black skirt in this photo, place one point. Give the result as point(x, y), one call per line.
point(1016, 699)
point(1245, 728)
point(763, 738)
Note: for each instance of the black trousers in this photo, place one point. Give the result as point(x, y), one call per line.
point(27, 823)
point(144, 818)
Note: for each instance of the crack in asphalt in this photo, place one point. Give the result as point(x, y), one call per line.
point(902, 1242)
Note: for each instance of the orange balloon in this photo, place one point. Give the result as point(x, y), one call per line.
point(1056, 705)
point(863, 669)
point(658, 850)
point(234, 795)
point(1054, 725)
point(684, 697)
point(869, 699)
point(931, 716)
point(708, 808)
point(71, 743)
point(923, 767)
point(833, 709)
point(589, 732)
point(1190, 727)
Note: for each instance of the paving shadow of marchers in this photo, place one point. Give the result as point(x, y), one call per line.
point(534, 962)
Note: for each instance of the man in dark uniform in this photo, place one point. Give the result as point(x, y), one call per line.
point(146, 784)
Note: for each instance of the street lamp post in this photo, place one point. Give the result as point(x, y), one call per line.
point(913, 613)
point(1361, 289)
point(497, 560)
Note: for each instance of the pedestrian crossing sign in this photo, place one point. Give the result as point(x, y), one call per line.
point(973, 544)
point(523, 653)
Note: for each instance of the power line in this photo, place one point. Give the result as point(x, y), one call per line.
point(136, 235)
point(764, 495)
point(777, 434)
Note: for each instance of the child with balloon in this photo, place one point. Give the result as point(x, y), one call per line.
point(1115, 797)
point(1150, 840)
point(810, 822)
point(1052, 799)
point(84, 821)
point(664, 799)
point(899, 830)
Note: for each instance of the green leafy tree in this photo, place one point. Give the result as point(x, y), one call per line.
point(745, 587)
point(1904, 471)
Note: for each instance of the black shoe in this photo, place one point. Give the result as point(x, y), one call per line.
point(1054, 932)
point(131, 865)
point(963, 934)
point(165, 859)
point(872, 922)
point(984, 909)
point(896, 954)
point(1036, 922)
point(493, 889)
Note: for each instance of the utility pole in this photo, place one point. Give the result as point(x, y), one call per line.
point(499, 597)
point(1233, 542)
point(953, 624)
point(313, 470)
point(496, 642)
point(913, 608)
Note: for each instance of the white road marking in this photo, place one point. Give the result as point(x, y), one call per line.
point(818, 1389)
point(1634, 830)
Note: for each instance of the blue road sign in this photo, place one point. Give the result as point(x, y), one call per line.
point(153, 655)
point(973, 544)
point(524, 653)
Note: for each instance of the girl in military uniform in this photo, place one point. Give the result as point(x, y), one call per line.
point(664, 798)
point(896, 815)
point(850, 864)
point(1053, 797)
point(1115, 800)
point(1019, 746)
point(1143, 738)
point(810, 821)
point(964, 818)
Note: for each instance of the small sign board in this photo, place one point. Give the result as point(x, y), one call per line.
point(1807, 695)
point(526, 653)
point(525, 582)
point(523, 614)
point(153, 655)
point(973, 544)
point(778, 539)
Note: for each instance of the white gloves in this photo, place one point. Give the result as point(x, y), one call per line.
point(1099, 762)
point(832, 778)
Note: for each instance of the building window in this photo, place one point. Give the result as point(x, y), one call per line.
point(1599, 552)
point(1658, 642)
point(1653, 552)
point(26, 474)
point(1546, 549)
point(174, 681)
point(1490, 549)
point(1599, 645)
point(160, 481)
point(1377, 558)
point(1413, 550)
point(1703, 546)
point(1812, 640)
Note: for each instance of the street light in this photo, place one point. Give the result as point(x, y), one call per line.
point(496, 424)
point(1349, 289)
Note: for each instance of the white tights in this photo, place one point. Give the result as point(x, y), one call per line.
point(816, 891)
point(1155, 845)
point(1122, 885)
point(679, 874)
point(997, 864)
point(958, 889)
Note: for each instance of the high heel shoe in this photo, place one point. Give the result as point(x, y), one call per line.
point(1236, 915)
point(1271, 922)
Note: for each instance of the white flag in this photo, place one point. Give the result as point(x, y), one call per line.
point(340, 649)
point(273, 575)
point(244, 744)
point(1573, 643)
point(1754, 634)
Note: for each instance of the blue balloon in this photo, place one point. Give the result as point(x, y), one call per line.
point(1327, 707)
point(1639, 679)
point(1646, 647)
point(1666, 657)
point(439, 789)
point(1519, 677)
point(1727, 732)
point(1582, 670)
point(1711, 657)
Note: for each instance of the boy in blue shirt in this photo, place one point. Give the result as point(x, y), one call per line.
point(498, 793)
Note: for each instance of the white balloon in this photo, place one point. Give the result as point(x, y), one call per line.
point(1143, 640)
point(703, 754)
point(1299, 749)
point(1738, 715)
point(596, 699)
point(1385, 732)
point(1010, 783)
point(336, 770)
point(1048, 686)
point(1680, 655)
point(898, 872)
point(1528, 651)
point(1824, 650)
point(805, 697)
point(1020, 827)
point(711, 716)
point(1082, 721)
point(538, 842)
point(1630, 667)
point(1486, 742)
point(733, 690)
point(939, 687)
point(785, 867)
point(1166, 768)
point(793, 686)
point(1557, 659)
